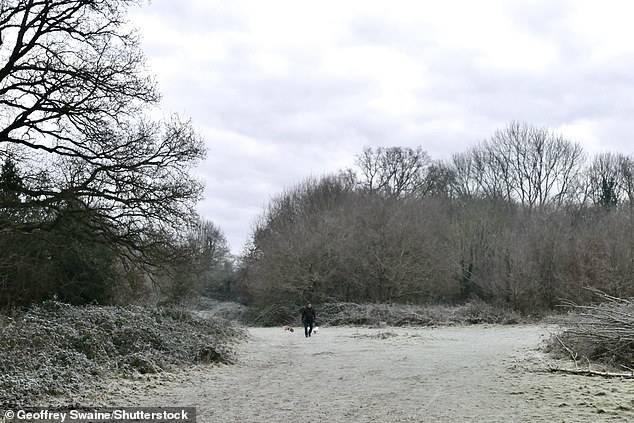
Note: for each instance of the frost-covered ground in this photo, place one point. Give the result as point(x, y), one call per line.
point(448, 374)
point(57, 352)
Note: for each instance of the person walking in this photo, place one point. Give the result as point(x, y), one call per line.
point(308, 319)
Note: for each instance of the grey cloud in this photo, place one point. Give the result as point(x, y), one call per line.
point(267, 129)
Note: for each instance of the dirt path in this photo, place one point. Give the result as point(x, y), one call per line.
point(455, 374)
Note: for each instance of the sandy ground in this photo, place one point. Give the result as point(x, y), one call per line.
point(449, 374)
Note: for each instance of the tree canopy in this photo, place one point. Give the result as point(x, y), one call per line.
point(75, 140)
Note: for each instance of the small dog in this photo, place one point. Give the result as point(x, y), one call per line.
point(316, 329)
point(288, 329)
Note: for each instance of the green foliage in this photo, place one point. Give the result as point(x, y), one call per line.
point(222, 283)
point(69, 262)
point(10, 187)
point(608, 196)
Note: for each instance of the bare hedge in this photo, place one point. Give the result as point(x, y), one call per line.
point(55, 349)
point(341, 314)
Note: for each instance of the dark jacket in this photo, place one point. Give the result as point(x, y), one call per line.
point(308, 314)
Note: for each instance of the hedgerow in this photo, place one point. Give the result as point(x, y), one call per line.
point(341, 314)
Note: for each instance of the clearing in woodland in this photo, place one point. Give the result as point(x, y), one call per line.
point(349, 374)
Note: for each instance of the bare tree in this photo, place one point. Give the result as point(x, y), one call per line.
point(205, 265)
point(68, 70)
point(394, 171)
point(627, 178)
point(480, 175)
point(440, 180)
point(73, 91)
point(323, 241)
point(528, 164)
point(464, 184)
point(73, 85)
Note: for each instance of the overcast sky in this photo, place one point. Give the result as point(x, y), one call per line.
point(282, 90)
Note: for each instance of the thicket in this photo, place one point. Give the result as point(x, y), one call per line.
point(59, 350)
point(368, 248)
point(522, 221)
point(368, 314)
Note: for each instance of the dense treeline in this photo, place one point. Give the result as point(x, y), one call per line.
point(520, 220)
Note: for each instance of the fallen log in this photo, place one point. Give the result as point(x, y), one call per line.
point(588, 372)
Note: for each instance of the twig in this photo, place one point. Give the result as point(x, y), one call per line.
point(573, 354)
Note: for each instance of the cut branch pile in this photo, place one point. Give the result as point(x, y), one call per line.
point(602, 332)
